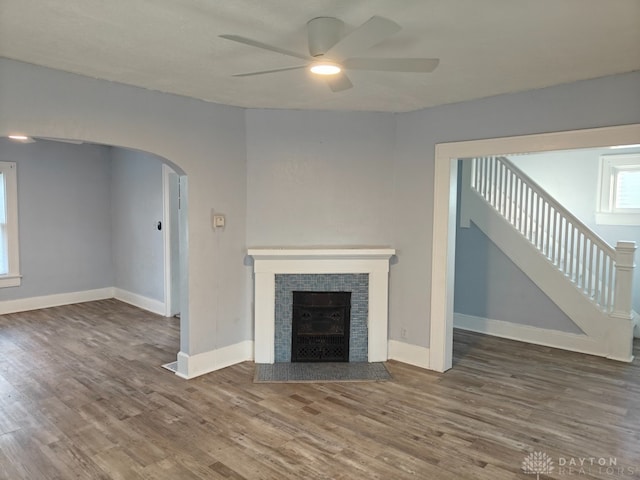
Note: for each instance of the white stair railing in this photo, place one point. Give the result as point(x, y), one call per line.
point(602, 273)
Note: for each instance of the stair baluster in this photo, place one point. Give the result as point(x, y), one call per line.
point(598, 270)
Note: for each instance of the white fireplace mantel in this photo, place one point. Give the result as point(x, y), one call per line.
point(267, 262)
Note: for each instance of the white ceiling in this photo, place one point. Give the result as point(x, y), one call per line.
point(486, 47)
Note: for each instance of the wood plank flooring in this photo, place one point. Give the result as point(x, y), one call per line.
point(82, 395)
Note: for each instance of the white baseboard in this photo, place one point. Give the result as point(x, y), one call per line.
point(526, 333)
point(47, 301)
point(191, 366)
point(407, 353)
point(145, 303)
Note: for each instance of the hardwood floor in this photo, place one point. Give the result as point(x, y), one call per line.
point(82, 395)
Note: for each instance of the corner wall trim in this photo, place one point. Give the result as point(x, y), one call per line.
point(191, 366)
point(526, 333)
point(407, 353)
point(145, 303)
point(55, 300)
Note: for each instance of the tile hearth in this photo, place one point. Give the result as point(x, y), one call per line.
point(321, 372)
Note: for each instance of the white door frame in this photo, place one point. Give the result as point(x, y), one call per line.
point(444, 214)
point(170, 254)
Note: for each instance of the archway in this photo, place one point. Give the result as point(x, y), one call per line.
point(69, 193)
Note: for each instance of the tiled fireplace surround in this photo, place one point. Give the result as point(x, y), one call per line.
point(279, 271)
point(356, 283)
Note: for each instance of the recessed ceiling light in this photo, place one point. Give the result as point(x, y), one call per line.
point(325, 68)
point(20, 138)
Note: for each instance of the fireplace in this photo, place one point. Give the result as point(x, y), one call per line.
point(271, 265)
point(355, 284)
point(320, 326)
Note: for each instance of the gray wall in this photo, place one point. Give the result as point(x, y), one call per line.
point(489, 285)
point(319, 178)
point(136, 208)
point(87, 219)
point(572, 178)
point(64, 219)
point(601, 102)
point(206, 141)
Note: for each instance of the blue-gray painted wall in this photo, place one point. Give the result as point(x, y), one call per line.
point(601, 102)
point(136, 208)
point(87, 219)
point(225, 151)
point(64, 217)
point(489, 285)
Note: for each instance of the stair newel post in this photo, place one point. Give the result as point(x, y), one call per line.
point(623, 296)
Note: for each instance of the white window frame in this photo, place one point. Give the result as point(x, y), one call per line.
point(606, 213)
point(12, 278)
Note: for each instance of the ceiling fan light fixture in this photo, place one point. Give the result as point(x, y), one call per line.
point(325, 68)
point(331, 53)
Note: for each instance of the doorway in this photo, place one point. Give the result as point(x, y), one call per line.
point(445, 203)
point(171, 239)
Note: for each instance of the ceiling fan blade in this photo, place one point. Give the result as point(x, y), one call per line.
point(420, 65)
point(370, 33)
point(250, 74)
point(339, 82)
point(264, 46)
point(322, 34)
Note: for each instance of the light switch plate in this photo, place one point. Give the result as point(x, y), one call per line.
point(218, 221)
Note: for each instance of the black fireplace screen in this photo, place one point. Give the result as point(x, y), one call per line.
point(320, 326)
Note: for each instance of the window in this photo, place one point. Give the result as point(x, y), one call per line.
point(9, 258)
point(619, 192)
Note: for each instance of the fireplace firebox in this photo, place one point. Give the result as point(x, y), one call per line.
point(320, 326)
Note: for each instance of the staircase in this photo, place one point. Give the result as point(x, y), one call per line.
point(589, 280)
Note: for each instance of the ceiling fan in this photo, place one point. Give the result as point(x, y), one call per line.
point(330, 55)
